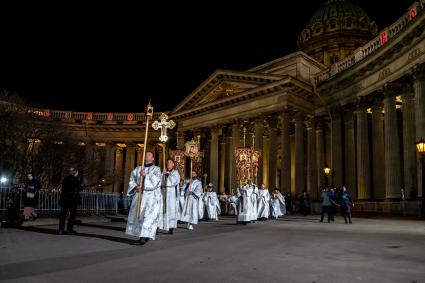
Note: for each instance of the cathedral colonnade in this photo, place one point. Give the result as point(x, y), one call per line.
point(369, 145)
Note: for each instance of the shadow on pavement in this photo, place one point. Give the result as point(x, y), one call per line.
point(104, 237)
point(102, 226)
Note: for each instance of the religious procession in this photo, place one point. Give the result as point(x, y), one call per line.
point(161, 199)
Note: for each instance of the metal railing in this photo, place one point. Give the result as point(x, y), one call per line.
point(390, 208)
point(92, 202)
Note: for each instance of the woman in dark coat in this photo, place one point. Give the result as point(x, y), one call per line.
point(30, 196)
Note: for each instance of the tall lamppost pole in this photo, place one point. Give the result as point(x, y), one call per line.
point(327, 171)
point(420, 145)
point(3, 181)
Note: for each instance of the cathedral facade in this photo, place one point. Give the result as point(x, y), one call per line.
point(351, 99)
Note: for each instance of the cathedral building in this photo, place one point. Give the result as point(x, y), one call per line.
point(351, 98)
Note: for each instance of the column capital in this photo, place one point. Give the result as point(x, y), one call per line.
point(272, 121)
point(419, 72)
point(284, 115)
point(130, 144)
point(310, 123)
point(364, 102)
point(407, 90)
point(376, 100)
point(299, 117)
point(108, 143)
point(349, 117)
point(392, 89)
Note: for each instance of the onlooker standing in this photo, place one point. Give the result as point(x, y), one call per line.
point(347, 203)
point(305, 204)
point(288, 203)
point(30, 196)
point(69, 200)
point(326, 205)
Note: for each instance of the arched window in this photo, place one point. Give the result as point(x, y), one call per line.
point(349, 22)
point(317, 28)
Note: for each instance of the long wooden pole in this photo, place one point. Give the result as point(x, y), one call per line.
point(164, 197)
point(189, 200)
point(139, 194)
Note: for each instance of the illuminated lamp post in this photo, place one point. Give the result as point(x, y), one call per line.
point(327, 171)
point(420, 145)
point(3, 181)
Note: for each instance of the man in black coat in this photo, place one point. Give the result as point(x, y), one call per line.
point(305, 204)
point(69, 200)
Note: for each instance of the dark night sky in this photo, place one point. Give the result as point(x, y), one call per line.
point(73, 57)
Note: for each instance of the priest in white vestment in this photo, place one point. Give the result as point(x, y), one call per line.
point(254, 197)
point(263, 203)
point(211, 203)
point(171, 196)
point(192, 193)
point(278, 207)
point(145, 226)
point(181, 201)
point(245, 205)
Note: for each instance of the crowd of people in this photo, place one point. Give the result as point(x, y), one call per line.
point(160, 201)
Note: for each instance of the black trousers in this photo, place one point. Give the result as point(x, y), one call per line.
point(347, 214)
point(72, 208)
point(326, 209)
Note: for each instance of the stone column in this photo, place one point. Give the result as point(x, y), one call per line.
point(118, 169)
point(229, 159)
point(378, 151)
point(109, 165)
point(409, 140)
point(223, 171)
point(259, 131)
point(266, 155)
point(419, 87)
point(350, 154)
point(139, 156)
point(272, 152)
point(214, 158)
point(285, 176)
point(130, 155)
point(392, 148)
point(336, 145)
point(320, 157)
point(299, 154)
point(363, 166)
point(311, 160)
point(180, 140)
point(89, 167)
point(232, 166)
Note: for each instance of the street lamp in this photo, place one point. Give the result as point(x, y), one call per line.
point(327, 171)
point(420, 145)
point(3, 180)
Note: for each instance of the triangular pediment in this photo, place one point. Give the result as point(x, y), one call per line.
point(298, 65)
point(223, 84)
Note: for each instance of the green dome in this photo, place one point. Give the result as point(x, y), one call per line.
point(337, 17)
point(337, 9)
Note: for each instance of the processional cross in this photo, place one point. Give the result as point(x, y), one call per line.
point(164, 125)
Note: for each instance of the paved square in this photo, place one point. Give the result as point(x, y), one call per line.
point(290, 249)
